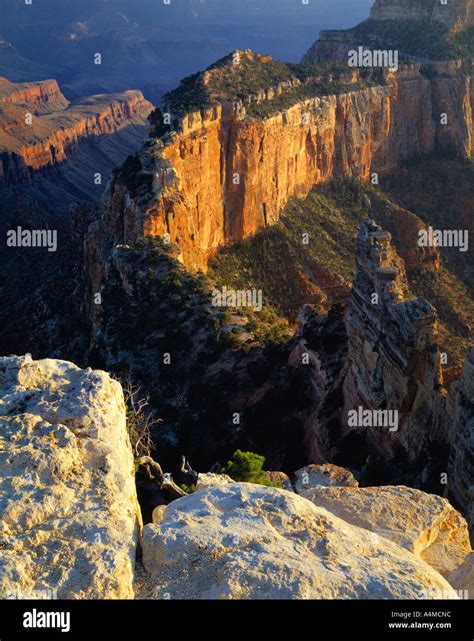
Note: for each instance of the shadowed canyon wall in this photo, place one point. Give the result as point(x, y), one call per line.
point(387, 359)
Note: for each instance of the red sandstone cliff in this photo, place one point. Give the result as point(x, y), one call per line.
point(57, 128)
point(41, 97)
point(222, 174)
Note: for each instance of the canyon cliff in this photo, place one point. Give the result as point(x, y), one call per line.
point(42, 134)
point(227, 151)
point(221, 174)
point(455, 14)
point(41, 97)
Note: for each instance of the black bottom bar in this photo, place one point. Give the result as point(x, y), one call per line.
point(237, 621)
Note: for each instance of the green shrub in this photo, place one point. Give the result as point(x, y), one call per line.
point(248, 467)
point(189, 489)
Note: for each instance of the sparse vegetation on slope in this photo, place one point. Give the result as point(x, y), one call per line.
point(425, 39)
point(439, 190)
point(164, 334)
point(292, 273)
point(311, 89)
point(255, 75)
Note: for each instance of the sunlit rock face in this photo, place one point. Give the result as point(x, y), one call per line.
point(426, 525)
point(70, 517)
point(245, 541)
point(40, 131)
point(223, 175)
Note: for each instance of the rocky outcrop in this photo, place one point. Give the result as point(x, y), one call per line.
point(326, 475)
point(425, 524)
point(40, 97)
point(280, 479)
point(205, 481)
point(395, 370)
point(394, 359)
point(70, 517)
point(381, 405)
point(244, 541)
point(455, 14)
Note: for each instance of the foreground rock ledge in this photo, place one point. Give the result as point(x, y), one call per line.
point(245, 541)
point(425, 524)
point(70, 517)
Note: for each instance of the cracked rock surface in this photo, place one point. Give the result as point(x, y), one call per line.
point(70, 517)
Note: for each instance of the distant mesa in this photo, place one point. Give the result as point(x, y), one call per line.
point(423, 30)
point(42, 97)
point(40, 129)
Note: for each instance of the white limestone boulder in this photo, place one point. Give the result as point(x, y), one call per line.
point(69, 513)
point(424, 524)
point(247, 541)
point(206, 481)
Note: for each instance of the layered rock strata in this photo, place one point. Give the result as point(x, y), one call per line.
point(70, 517)
point(39, 128)
point(455, 14)
point(394, 359)
point(222, 174)
point(40, 97)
